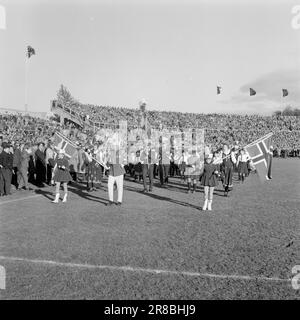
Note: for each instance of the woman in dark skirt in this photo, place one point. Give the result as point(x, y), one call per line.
point(61, 174)
point(209, 181)
point(242, 164)
point(227, 167)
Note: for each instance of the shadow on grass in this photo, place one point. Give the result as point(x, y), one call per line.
point(76, 189)
point(162, 198)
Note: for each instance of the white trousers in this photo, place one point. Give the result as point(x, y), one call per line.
point(110, 185)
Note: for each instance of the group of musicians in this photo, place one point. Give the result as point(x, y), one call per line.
point(150, 161)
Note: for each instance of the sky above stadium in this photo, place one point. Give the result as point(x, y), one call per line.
point(171, 53)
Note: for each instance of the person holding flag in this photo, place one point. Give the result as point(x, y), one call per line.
point(260, 152)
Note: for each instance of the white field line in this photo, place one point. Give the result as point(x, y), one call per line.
point(20, 199)
point(145, 270)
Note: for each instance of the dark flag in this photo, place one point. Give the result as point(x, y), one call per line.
point(219, 90)
point(30, 51)
point(252, 92)
point(284, 92)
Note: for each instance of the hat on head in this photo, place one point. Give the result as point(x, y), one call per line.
point(209, 156)
point(5, 145)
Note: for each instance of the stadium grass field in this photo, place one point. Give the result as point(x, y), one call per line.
point(156, 246)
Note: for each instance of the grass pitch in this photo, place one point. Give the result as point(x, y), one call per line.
point(155, 246)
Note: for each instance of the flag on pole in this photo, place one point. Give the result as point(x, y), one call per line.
point(219, 89)
point(284, 92)
point(252, 92)
point(2, 18)
point(30, 51)
point(260, 153)
point(62, 143)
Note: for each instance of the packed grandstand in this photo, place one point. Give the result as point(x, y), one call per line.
point(81, 121)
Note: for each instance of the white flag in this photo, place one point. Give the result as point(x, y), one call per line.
point(2, 18)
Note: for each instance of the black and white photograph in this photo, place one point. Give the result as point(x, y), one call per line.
point(149, 153)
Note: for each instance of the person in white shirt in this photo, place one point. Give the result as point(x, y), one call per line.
point(182, 161)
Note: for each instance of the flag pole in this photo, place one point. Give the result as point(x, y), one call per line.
point(26, 84)
point(262, 138)
point(281, 101)
point(252, 143)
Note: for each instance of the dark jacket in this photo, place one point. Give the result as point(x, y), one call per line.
point(17, 157)
point(6, 160)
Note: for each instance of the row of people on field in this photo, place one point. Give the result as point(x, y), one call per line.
point(17, 161)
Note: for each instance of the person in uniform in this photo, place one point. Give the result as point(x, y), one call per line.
point(61, 174)
point(182, 161)
point(115, 175)
point(148, 159)
point(90, 170)
point(209, 181)
point(23, 167)
point(6, 168)
point(164, 162)
point(99, 156)
point(40, 165)
point(242, 164)
point(16, 152)
point(50, 161)
point(227, 167)
point(192, 171)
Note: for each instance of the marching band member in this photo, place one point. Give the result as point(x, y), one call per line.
point(115, 175)
point(192, 171)
point(209, 181)
point(99, 155)
point(182, 161)
point(227, 167)
point(50, 156)
point(89, 169)
point(242, 164)
point(164, 162)
point(80, 169)
point(148, 159)
point(60, 175)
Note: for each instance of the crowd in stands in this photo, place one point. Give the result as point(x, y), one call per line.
point(219, 128)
